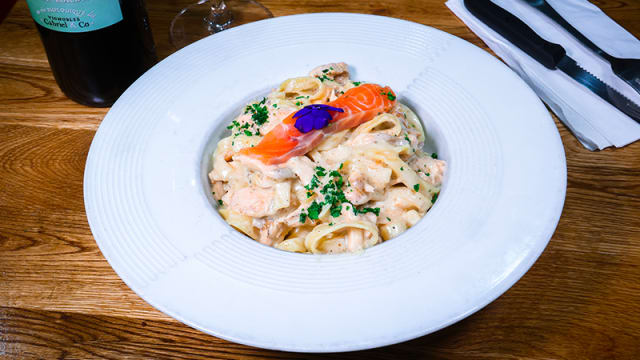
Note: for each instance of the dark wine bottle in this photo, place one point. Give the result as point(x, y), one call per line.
point(96, 48)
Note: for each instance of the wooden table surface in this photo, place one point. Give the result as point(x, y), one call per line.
point(59, 298)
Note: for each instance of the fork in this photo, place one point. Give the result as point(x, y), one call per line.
point(626, 69)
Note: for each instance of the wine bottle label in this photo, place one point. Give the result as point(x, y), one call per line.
point(75, 16)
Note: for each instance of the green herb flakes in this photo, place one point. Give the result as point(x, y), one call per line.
point(314, 210)
point(324, 77)
point(367, 210)
point(336, 211)
point(259, 112)
point(389, 95)
point(313, 184)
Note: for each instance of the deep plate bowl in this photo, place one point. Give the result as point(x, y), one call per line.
point(149, 208)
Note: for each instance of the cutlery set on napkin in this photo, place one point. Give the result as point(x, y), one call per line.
point(582, 64)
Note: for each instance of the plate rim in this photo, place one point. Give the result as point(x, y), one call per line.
point(504, 284)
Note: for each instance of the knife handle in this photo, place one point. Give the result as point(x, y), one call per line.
point(517, 32)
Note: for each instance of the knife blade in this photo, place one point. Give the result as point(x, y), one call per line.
point(550, 55)
point(626, 69)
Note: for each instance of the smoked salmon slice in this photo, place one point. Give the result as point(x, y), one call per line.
point(360, 104)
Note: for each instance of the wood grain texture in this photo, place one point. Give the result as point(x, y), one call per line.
point(60, 299)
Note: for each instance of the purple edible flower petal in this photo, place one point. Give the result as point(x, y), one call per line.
point(312, 117)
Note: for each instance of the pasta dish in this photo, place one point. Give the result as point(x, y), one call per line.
point(325, 164)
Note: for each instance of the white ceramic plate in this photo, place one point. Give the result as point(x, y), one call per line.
point(148, 203)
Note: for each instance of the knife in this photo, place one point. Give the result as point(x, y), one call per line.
point(626, 69)
point(552, 56)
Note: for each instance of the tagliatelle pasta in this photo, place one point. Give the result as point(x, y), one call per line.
point(347, 179)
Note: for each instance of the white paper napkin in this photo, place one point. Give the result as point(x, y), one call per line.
point(594, 122)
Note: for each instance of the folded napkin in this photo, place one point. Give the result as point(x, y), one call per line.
point(593, 121)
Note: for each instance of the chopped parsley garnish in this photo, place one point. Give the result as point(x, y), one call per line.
point(389, 94)
point(300, 97)
point(303, 217)
point(341, 164)
point(388, 219)
point(428, 174)
point(325, 71)
point(259, 112)
point(336, 211)
point(275, 105)
point(324, 77)
point(367, 210)
point(219, 202)
point(248, 133)
point(333, 195)
point(434, 197)
point(233, 123)
point(298, 103)
point(407, 138)
point(357, 83)
point(401, 168)
point(434, 155)
point(314, 210)
point(313, 184)
point(416, 187)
